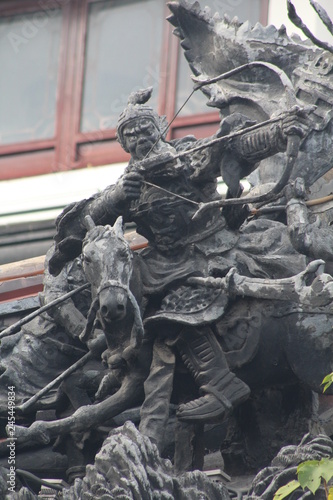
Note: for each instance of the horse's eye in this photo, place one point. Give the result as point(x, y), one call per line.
point(86, 259)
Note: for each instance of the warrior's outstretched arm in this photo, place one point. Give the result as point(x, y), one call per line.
point(294, 289)
point(240, 144)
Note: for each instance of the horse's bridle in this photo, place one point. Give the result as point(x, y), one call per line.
point(137, 330)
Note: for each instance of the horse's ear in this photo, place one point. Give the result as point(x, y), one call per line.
point(118, 226)
point(89, 223)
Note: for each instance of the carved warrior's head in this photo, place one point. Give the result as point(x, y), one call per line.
point(137, 109)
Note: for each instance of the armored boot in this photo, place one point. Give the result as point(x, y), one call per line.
point(221, 390)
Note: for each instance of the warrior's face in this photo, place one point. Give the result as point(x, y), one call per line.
point(140, 136)
point(168, 221)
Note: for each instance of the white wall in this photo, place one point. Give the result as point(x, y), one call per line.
point(52, 190)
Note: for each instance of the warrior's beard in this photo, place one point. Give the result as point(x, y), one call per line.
point(144, 147)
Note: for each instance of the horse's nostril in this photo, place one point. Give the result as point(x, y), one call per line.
point(120, 307)
point(104, 310)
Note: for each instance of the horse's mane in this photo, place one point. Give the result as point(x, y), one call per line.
point(100, 232)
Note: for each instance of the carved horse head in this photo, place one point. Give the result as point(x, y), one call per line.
point(108, 266)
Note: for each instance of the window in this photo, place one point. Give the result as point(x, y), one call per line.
point(110, 75)
point(68, 67)
point(29, 84)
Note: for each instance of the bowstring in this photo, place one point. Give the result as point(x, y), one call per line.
point(161, 135)
point(171, 122)
point(173, 194)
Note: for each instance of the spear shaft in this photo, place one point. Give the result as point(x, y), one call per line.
point(16, 326)
point(78, 364)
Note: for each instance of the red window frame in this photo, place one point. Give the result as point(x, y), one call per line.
point(70, 148)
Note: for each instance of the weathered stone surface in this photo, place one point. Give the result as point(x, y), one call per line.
point(284, 466)
point(218, 307)
point(129, 466)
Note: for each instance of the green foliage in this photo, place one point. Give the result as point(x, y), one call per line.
point(327, 382)
point(285, 490)
point(310, 475)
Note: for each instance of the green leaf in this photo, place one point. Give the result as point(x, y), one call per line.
point(285, 490)
point(326, 468)
point(327, 381)
point(309, 475)
point(328, 378)
point(311, 472)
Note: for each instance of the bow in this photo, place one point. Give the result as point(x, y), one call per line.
point(293, 142)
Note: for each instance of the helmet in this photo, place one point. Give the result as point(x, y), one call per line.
point(135, 109)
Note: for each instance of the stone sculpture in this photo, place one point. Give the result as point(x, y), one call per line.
point(261, 72)
point(177, 243)
point(284, 465)
point(311, 238)
point(129, 361)
point(143, 474)
point(219, 300)
point(48, 344)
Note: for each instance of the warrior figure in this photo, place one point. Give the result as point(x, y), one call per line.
point(160, 191)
